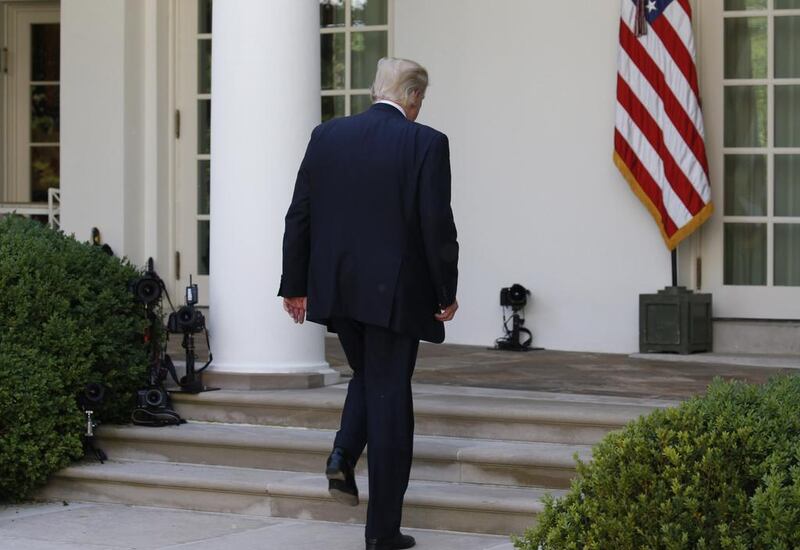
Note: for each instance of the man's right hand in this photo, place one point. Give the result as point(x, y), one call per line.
point(448, 313)
point(296, 308)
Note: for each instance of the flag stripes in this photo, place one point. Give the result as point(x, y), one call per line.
point(653, 50)
point(653, 133)
point(659, 145)
point(634, 83)
point(646, 187)
point(689, 127)
point(677, 50)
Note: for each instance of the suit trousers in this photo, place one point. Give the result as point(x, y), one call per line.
point(379, 412)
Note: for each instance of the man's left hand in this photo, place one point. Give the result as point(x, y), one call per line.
point(296, 308)
point(448, 313)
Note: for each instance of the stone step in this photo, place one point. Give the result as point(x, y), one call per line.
point(436, 458)
point(257, 492)
point(439, 410)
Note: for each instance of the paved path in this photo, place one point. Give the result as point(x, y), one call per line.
point(669, 377)
point(654, 376)
point(80, 526)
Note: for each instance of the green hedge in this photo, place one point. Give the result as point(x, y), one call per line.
point(719, 471)
point(66, 318)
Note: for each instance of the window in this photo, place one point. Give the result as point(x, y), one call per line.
point(192, 124)
point(761, 140)
point(31, 70)
point(44, 126)
point(355, 34)
point(203, 134)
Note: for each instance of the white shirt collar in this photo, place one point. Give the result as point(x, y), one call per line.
point(393, 104)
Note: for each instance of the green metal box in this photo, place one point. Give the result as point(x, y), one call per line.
point(675, 320)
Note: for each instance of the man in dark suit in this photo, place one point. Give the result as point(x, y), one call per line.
point(370, 251)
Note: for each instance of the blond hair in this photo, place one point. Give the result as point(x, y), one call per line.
point(397, 79)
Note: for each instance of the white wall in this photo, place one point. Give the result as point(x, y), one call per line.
point(93, 119)
point(525, 90)
point(114, 148)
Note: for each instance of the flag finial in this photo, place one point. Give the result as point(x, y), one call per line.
point(641, 19)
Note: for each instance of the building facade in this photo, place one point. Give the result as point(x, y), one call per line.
point(123, 124)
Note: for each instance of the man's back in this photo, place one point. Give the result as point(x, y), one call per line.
point(370, 250)
point(382, 241)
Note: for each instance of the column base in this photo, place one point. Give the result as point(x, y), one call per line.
point(271, 380)
point(317, 378)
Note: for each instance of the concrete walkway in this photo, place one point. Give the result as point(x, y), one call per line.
point(664, 376)
point(653, 376)
point(79, 526)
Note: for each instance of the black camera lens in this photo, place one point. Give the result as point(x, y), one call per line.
point(515, 296)
point(148, 290)
point(187, 318)
point(154, 397)
point(94, 392)
point(518, 294)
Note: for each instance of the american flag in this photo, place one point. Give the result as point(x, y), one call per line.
point(659, 141)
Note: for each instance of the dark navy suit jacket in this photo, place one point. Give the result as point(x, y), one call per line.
point(370, 232)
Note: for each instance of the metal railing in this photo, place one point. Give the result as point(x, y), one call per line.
point(54, 208)
point(51, 208)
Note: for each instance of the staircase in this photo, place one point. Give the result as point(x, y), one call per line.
point(483, 458)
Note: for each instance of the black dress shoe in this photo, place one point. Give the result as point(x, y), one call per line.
point(396, 543)
point(341, 477)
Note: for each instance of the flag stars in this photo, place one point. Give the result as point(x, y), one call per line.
point(651, 6)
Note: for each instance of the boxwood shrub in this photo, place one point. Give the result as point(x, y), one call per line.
point(719, 471)
point(67, 318)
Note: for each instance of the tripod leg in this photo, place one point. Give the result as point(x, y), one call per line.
point(101, 455)
point(515, 333)
point(98, 453)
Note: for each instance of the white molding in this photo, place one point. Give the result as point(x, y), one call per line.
point(184, 154)
point(150, 103)
point(172, 209)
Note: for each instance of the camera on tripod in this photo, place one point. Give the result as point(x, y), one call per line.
point(515, 296)
point(89, 400)
point(147, 288)
point(517, 338)
point(155, 397)
point(188, 319)
point(154, 403)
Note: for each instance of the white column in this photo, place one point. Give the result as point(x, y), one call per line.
point(265, 102)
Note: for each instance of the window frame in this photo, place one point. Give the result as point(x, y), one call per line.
point(15, 173)
point(347, 29)
point(187, 158)
point(770, 151)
